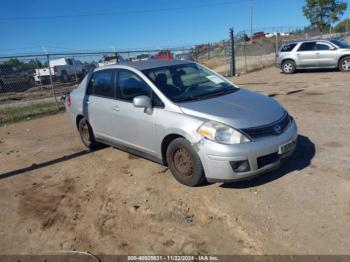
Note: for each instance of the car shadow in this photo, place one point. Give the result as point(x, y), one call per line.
point(301, 158)
point(36, 166)
point(316, 70)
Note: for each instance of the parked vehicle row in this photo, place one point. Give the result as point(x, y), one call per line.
point(185, 116)
point(63, 69)
point(12, 76)
point(311, 54)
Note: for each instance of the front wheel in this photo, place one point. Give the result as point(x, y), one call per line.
point(184, 163)
point(87, 135)
point(344, 64)
point(288, 67)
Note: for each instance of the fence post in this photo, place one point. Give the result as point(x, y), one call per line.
point(208, 51)
point(116, 58)
point(75, 70)
point(261, 57)
point(232, 58)
point(51, 82)
point(276, 44)
point(39, 77)
point(245, 57)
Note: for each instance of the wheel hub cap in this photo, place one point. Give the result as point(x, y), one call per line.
point(85, 132)
point(288, 68)
point(183, 162)
point(346, 65)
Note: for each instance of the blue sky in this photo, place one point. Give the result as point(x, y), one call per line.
point(134, 24)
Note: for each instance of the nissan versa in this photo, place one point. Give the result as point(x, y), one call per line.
point(185, 116)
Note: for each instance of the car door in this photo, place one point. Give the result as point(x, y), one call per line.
point(306, 55)
point(134, 127)
point(326, 54)
point(99, 103)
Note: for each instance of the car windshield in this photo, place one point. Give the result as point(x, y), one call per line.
point(188, 82)
point(340, 43)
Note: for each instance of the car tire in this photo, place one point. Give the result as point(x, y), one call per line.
point(184, 163)
point(86, 134)
point(289, 67)
point(344, 64)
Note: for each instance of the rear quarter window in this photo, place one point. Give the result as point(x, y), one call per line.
point(288, 47)
point(101, 84)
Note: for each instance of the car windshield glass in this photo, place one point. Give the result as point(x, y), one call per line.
point(188, 82)
point(340, 44)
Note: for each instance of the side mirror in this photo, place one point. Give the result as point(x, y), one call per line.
point(143, 102)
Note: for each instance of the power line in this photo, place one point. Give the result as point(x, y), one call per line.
point(121, 13)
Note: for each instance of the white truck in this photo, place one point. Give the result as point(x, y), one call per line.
point(63, 69)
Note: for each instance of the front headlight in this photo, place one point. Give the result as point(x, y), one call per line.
point(221, 133)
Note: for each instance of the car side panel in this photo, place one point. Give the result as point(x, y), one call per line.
point(134, 127)
point(99, 112)
point(177, 123)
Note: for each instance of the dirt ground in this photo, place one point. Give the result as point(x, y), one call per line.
point(55, 196)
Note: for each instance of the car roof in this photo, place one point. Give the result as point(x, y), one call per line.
point(148, 64)
point(307, 40)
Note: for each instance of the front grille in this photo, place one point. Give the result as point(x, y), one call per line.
point(275, 128)
point(266, 160)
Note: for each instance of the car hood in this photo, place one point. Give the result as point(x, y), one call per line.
point(240, 109)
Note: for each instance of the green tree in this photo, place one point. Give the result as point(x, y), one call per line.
point(343, 26)
point(13, 62)
point(322, 13)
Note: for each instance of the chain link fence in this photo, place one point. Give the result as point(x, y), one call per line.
point(32, 85)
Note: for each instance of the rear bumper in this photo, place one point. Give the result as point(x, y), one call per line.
point(217, 158)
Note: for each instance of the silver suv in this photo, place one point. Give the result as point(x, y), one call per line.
point(314, 54)
point(185, 116)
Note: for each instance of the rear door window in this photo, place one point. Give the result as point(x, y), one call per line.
point(288, 47)
point(323, 47)
point(101, 84)
point(307, 46)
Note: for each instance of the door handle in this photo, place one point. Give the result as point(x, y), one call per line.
point(87, 102)
point(317, 53)
point(298, 54)
point(116, 108)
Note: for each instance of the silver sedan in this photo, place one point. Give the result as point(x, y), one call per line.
point(185, 116)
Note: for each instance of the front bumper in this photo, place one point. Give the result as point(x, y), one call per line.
point(216, 157)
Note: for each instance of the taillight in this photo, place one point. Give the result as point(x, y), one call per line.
point(69, 102)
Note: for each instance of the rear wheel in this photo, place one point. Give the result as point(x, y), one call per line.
point(184, 163)
point(344, 64)
point(87, 135)
point(289, 67)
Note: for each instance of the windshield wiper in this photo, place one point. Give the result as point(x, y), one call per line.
point(206, 95)
point(217, 93)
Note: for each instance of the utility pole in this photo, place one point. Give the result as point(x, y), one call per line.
point(251, 17)
point(232, 51)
